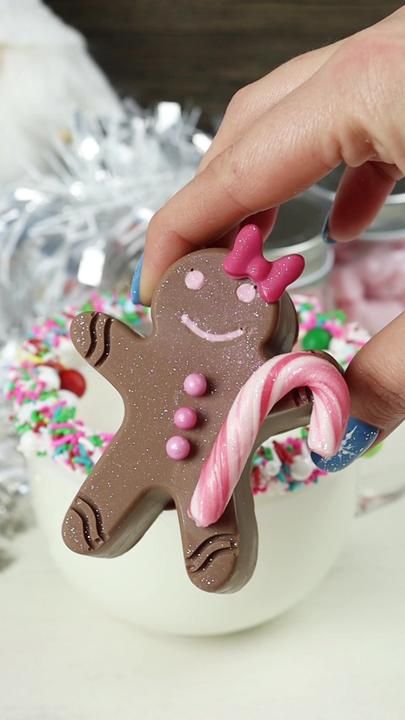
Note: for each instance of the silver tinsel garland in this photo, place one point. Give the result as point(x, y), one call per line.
point(79, 226)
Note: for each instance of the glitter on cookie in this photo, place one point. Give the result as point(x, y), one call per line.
point(46, 415)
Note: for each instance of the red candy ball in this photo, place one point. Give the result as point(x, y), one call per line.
point(73, 381)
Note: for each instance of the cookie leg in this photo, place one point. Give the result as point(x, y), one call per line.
point(113, 508)
point(221, 557)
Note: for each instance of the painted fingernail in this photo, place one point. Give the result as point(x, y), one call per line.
point(325, 233)
point(136, 282)
point(358, 439)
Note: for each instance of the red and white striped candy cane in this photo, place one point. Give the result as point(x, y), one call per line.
point(236, 439)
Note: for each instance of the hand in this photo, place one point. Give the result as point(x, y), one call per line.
point(343, 103)
point(376, 380)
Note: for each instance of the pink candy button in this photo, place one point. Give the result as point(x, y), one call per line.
point(195, 384)
point(178, 448)
point(185, 418)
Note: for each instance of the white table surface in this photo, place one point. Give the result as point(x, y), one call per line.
point(338, 656)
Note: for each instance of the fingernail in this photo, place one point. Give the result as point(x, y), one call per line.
point(358, 439)
point(136, 282)
point(325, 233)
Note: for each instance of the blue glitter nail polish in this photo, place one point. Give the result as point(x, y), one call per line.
point(325, 233)
point(136, 282)
point(358, 439)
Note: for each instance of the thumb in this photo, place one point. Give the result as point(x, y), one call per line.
point(376, 379)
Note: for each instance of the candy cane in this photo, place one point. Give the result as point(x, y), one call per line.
point(237, 436)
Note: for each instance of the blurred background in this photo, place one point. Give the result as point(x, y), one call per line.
point(202, 51)
point(199, 54)
point(107, 109)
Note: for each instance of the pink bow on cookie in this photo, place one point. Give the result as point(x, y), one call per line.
point(246, 260)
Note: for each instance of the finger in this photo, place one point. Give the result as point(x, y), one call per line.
point(264, 220)
point(249, 104)
point(361, 193)
point(288, 149)
point(376, 379)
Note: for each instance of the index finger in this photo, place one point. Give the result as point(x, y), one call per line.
point(288, 149)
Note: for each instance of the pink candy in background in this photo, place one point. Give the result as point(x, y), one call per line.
point(369, 281)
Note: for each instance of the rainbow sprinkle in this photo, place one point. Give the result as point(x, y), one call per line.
point(46, 416)
point(346, 338)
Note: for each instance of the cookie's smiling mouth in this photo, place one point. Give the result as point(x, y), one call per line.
point(209, 336)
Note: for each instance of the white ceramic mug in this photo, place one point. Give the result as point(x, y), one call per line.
point(300, 535)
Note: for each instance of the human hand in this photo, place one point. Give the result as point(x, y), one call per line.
point(343, 103)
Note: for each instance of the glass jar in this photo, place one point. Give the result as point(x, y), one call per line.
point(298, 230)
point(369, 275)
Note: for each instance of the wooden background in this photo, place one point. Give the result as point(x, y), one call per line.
point(202, 51)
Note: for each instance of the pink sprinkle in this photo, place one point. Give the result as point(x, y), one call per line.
point(61, 426)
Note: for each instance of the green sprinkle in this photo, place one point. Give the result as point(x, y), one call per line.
point(96, 440)
point(21, 429)
point(373, 451)
point(130, 318)
point(87, 307)
point(332, 315)
point(268, 454)
point(46, 394)
point(63, 414)
point(317, 339)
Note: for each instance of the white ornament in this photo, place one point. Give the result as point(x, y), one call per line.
point(46, 75)
point(341, 350)
point(49, 377)
point(301, 468)
point(31, 443)
point(272, 467)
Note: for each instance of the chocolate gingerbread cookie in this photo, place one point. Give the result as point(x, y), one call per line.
point(211, 331)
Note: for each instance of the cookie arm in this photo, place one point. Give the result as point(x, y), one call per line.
point(94, 335)
point(293, 411)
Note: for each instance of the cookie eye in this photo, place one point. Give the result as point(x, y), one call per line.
point(194, 280)
point(246, 292)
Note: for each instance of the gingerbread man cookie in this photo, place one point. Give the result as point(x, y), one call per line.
point(211, 332)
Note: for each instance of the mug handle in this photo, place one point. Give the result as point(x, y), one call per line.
point(369, 502)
